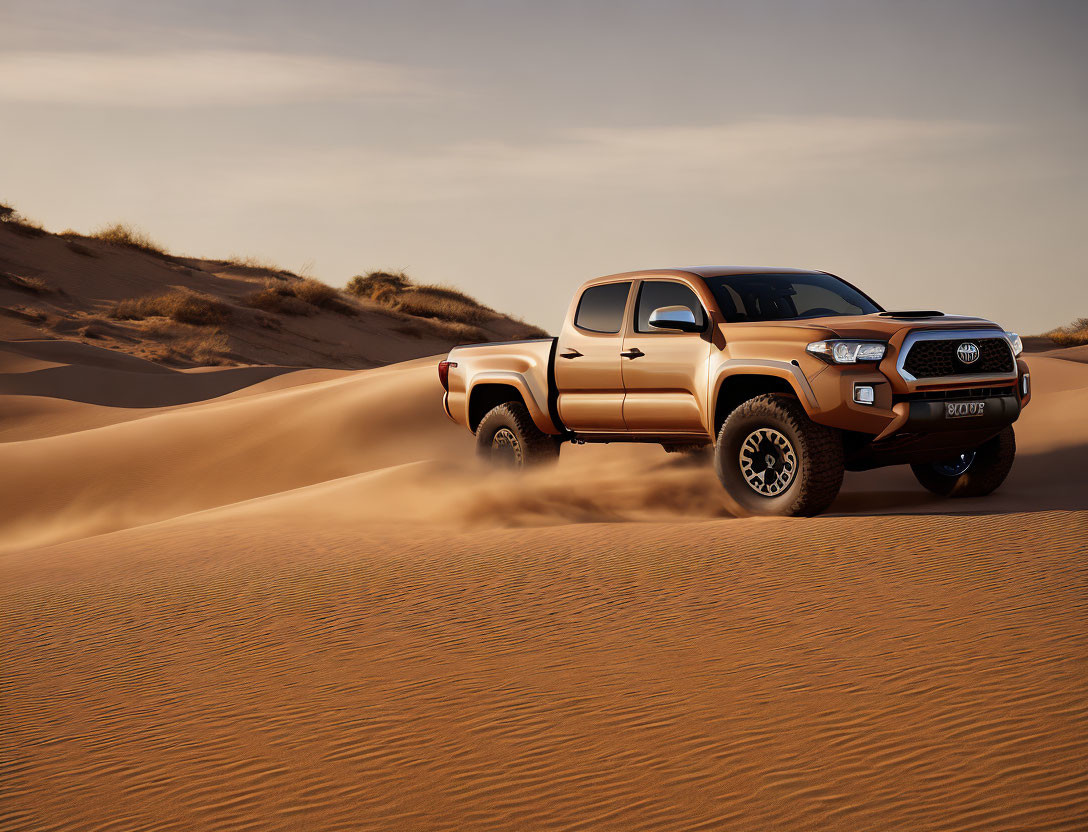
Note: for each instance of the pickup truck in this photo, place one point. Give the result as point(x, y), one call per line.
point(792, 376)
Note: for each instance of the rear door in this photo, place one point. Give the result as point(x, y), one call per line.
point(665, 373)
point(587, 360)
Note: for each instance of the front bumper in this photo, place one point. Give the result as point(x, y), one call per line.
point(930, 416)
point(900, 406)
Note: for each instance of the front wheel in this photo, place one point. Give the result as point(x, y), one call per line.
point(772, 459)
point(507, 437)
point(972, 473)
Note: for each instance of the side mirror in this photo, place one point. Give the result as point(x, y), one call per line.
point(678, 318)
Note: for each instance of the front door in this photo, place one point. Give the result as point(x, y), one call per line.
point(587, 361)
point(665, 373)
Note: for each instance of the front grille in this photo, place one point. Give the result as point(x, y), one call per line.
point(933, 359)
point(962, 393)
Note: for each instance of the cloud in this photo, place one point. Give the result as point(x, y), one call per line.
point(197, 78)
point(752, 157)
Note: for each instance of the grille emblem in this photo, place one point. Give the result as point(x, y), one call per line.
point(967, 352)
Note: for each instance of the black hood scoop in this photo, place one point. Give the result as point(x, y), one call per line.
point(929, 313)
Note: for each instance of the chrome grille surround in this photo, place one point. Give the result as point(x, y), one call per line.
point(951, 335)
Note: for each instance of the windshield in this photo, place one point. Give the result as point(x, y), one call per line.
point(776, 297)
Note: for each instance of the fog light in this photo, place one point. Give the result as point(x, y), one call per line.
point(1025, 384)
point(863, 394)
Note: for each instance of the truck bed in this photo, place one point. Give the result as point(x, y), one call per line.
point(479, 374)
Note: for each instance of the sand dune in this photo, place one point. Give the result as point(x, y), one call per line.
point(67, 287)
point(293, 601)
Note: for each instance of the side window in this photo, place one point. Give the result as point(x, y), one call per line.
point(653, 294)
point(601, 307)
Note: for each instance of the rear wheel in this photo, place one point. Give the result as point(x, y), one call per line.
point(972, 473)
point(772, 459)
point(507, 437)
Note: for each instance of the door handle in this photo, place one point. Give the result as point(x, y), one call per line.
point(572, 354)
point(634, 352)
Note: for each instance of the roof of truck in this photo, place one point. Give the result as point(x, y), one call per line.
point(708, 271)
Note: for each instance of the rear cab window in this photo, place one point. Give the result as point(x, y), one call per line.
point(601, 308)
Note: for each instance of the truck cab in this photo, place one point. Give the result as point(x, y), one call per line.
point(800, 361)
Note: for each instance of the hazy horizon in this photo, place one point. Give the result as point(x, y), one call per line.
point(932, 153)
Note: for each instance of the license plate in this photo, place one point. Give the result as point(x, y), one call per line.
point(958, 410)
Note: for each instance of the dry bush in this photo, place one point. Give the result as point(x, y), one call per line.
point(120, 234)
point(203, 348)
point(17, 222)
point(164, 330)
point(34, 285)
point(257, 263)
point(181, 306)
point(445, 330)
point(449, 293)
point(316, 293)
point(299, 297)
point(397, 291)
point(370, 285)
point(184, 342)
point(428, 302)
point(1074, 335)
point(271, 299)
point(27, 314)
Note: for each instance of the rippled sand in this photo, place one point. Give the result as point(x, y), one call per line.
point(300, 606)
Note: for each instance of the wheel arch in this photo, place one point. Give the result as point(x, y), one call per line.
point(735, 386)
point(494, 389)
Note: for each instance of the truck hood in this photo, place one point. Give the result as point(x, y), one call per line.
point(882, 326)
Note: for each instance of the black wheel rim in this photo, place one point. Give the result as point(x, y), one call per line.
point(505, 448)
point(956, 466)
point(768, 461)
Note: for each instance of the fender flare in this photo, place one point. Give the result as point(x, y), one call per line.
point(531, 399)
point(790, 373)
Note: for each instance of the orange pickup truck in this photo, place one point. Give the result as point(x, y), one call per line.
point(792, 376)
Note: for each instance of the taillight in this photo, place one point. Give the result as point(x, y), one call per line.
point(444, 373)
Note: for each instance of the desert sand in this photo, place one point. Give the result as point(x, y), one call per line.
point(247, 598)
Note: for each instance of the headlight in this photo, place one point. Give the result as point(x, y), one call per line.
point(848, 352)
point(1015, 342)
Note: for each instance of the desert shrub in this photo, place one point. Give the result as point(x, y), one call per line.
point(256, 263)
point(34, 285)
point(24, 313)
point(17, 222)
point(203, 348)
point(368, 286)
point(1074, 335)
point(446, 330)
point(397, 291)
point(183, 307)
point(299, 297)
point(272, 299)
point(315, 293)
point(423, 302)
point(120, 234)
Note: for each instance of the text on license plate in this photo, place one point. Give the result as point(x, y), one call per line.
point(956, 410)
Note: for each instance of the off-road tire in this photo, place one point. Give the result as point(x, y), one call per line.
point(531, 445)
point(992, 463)
point(818, 450)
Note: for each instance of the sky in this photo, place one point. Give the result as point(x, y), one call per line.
point(932, 153)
